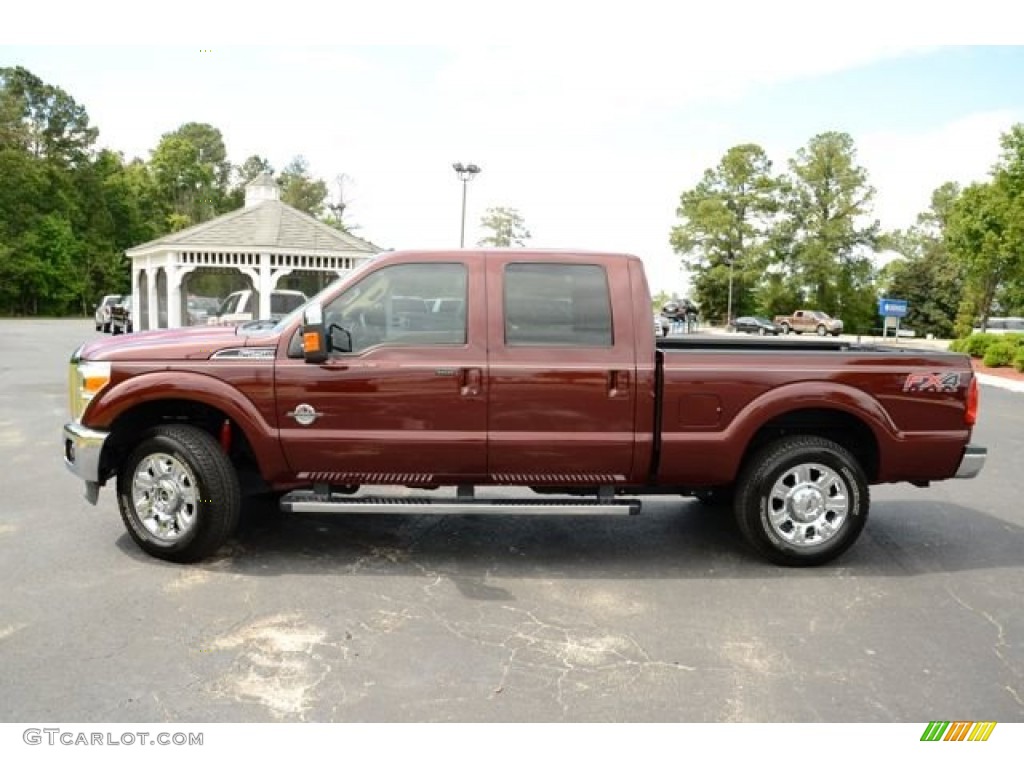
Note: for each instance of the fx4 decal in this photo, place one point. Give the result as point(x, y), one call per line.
point(932, 382)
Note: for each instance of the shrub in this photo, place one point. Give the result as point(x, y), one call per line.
point(978, 343)
point(999, 354)
point(1018, 361)
point(958, 345)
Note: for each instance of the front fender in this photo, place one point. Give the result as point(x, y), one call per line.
point(126, 394)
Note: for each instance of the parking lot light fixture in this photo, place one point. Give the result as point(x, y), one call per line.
point(465, 174)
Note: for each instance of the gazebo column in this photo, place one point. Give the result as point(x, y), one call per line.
point(152, 300)
point(136, 290)
point(277, 275)
point(175, 277)
point(260, 277)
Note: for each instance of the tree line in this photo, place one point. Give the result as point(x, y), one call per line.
point(760, 242)
point(755, 241)
point(68, 210)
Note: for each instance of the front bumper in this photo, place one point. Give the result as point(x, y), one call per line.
point(972, 462)
point(82, 450)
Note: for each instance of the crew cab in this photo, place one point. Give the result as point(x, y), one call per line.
point(809, 321)
point(121, 316)
point(550, 379)
point(243, 306)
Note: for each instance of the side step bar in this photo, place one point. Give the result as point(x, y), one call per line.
point(454, 506)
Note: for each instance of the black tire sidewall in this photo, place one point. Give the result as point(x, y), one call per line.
point(752, 500)
point(202, 538)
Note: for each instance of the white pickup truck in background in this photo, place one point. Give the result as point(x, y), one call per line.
point(243, 306)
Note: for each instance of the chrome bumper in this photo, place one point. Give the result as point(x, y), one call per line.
point(82, 449)
point(972, 462)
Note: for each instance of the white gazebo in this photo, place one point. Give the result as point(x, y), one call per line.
point(265, 241)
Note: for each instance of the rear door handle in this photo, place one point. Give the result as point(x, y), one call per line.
point(470, 381)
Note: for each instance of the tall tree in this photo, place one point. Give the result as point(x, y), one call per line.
point(185, 182)
point(507, 228)
point(928, 276)
point(980, 236)
point(300, 190)
point(723, 231)
point(829, 204)
point(50, 124)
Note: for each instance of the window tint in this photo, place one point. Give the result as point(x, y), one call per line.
point(557, 304)
point(394, 305)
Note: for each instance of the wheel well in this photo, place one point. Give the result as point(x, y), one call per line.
point(127, 428)
point(839, 427)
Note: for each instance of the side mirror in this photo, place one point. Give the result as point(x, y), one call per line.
point(314, 337)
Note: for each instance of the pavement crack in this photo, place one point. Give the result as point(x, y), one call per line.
point(1001, 645)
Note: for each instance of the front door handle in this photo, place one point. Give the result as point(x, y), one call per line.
point(470, 381)
point(618, 384)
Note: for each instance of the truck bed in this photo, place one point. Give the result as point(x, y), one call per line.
point(720, 397)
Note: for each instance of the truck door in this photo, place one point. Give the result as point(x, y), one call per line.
point(562, 370)
point(407, 404)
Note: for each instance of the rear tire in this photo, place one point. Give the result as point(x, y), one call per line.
point(178, 494)
point(801, 500)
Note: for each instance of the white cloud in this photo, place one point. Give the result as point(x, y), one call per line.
point(906, 167)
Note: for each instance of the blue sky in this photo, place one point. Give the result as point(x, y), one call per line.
point(591, 139)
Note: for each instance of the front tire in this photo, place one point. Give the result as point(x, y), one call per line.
point(178, 494)
point(822, 330)
point(801, 500)
point(786, 330)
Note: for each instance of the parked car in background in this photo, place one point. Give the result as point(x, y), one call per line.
point(121, 316)
point(243, 306)
point(809, 321)
point(662, 325)
point(201, 308)
point(1002, 325)
point(762, 326)
point(102, 314)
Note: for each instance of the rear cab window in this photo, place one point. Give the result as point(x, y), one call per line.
point(557, 305)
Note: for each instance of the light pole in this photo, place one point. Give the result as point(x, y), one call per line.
point(465, 174)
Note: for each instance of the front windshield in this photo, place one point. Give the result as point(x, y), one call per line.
point(297, 312)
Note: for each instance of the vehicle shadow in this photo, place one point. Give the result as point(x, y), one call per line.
point(671, 539)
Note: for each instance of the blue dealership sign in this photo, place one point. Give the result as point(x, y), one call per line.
point(892, 307)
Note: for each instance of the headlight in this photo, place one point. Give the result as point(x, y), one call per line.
point(86, 379)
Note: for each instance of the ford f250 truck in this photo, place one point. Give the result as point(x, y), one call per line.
point(545, 375)
point(809, 321)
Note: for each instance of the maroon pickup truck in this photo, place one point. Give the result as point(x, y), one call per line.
point(534, 369)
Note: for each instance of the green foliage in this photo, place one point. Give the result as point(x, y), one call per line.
point(828, 203)
point(999, 354)
point(300, 190)
point(725, 230)
point(69, 211)
point(977, 344)
point(928, 277)
point(1018, 360)
point(958, 345)
point(507, 227)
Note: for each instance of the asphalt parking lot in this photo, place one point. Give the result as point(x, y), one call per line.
point(664, 617)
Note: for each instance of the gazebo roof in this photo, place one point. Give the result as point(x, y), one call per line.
point(269, 224)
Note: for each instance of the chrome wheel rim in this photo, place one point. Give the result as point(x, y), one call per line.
point(165, 497)
point(808, 505)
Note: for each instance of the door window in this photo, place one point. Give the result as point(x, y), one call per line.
point(557, 305)
point(393, 306)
